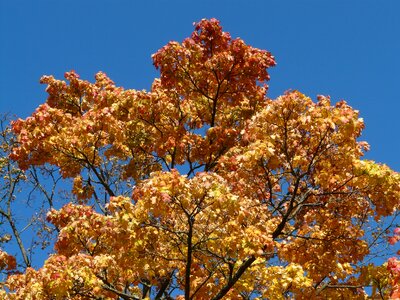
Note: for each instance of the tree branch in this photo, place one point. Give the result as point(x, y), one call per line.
point(245, 265)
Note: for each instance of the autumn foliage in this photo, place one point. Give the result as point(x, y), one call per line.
point(203, 187)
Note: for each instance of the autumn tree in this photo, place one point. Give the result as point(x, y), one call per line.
point(204, 188)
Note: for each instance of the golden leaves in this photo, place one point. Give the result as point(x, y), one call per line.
point(380, 185)
point(59, 278)
point(275, 202)
point(7, 261)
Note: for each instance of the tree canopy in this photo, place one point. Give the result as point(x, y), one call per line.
point(201, 188)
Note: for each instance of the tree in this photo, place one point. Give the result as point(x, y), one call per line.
point(204, 188)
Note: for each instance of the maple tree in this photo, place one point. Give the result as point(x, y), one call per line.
point(203, 187)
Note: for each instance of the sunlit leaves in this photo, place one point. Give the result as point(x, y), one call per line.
point(203, 188)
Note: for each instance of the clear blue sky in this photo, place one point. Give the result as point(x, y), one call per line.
point(344, 48)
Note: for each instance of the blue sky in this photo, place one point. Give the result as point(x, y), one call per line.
point(347, 49)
